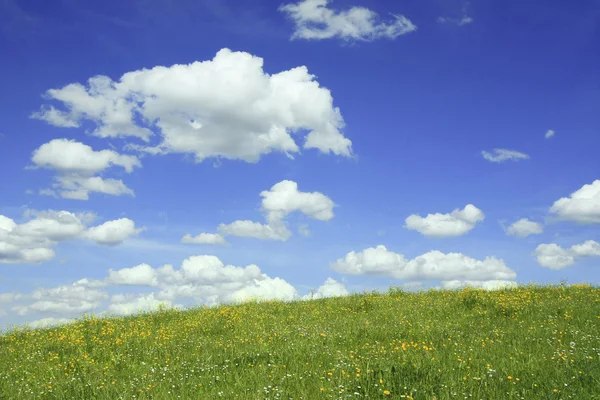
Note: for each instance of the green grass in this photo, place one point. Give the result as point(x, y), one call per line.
point(524, 343)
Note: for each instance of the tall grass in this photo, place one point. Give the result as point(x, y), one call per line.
point(529, 342)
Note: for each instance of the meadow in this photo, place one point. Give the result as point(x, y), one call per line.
point(529, 342)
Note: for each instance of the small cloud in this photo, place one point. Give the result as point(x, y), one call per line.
point(465, 20)
point(524, 227)
point(550, 133)
point(501, 155)
point(315, 21)
point(303, 230)
point(205, 238)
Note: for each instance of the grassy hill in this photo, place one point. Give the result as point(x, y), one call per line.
point(523, 343)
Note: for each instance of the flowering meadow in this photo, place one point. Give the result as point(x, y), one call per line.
point(529, 342)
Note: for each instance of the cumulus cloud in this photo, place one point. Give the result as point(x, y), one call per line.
point(581, 206)
point(63, 300)
point(132, 304)
point(203, 279)
point(501, 155)
point(457, 223)
point(76, 164)
point(331, 288)
point(112, 232)
point(31, 242)
point(549, 133)
point(315, 21)
point(492, 284)
point(142, 275)
point(524, 227)
point(204, 238)
point(433, 265)
point(278, 202)
point(225, 107)
point(555, 257)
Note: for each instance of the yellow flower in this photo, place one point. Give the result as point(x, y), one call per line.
point(386, 392)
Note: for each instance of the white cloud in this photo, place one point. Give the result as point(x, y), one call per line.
point(433, 265)
point(55, 117)
point(493, 284)
point(204, 238)
point(69, 156)
point(331, 288)
point(555, 257)
point(143, 275)
point(314, 20)
point(205, 279)
point(457, 223)
point(225, 107)
point(32, 241)
point(63, 300)
point(49, 322)
point(549, 133)
point(75, 164)
point(281, 200)
point(501, 155)
point(131, 304)
point(581, 206)
point(588, 248)
point(112, 232)
point(524, 228)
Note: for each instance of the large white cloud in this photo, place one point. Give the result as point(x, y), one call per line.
point(314, 20)
point(502, 155)
point(281, 200)
point(433, 265)
point(76, 164)
point(581, 206)
point(457, 223)
point(31, 242)
point(553, 256)
point(225, 107)
point(524, 227)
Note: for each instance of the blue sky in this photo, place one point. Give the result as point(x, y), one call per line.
point(445, 104)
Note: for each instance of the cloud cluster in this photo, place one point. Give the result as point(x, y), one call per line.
point(77, 165)
point(203, 279)
point(278, 202)
point(502, 155)
point(524, 227)
point(457, 223)
point(31, 242)
point(581, 206)
point(555, 257)
point(314, 20)
point(433, 265)
point(225, 107)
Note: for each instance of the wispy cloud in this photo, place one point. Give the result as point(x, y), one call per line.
point(501, 155)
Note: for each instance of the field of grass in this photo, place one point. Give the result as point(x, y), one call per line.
point(524, 343)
